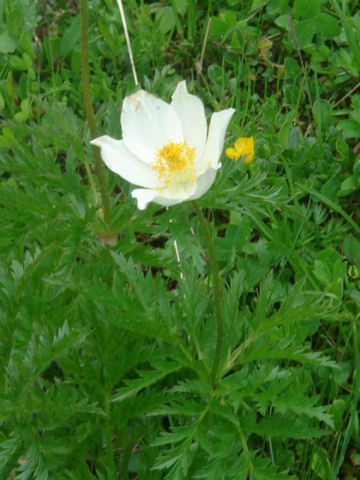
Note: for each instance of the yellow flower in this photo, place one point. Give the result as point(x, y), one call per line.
point(244, 147)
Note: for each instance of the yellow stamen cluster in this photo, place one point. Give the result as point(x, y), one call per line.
point(244, 147)
point(175, 163)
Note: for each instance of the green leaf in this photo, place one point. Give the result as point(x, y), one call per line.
point(283, 134)
point(263, 470)
point(181, 6)
point(322, 113)
point(327, 25)
point(258, 4)
point(41, 471)
point(174, 455)
point(321, 465)
point(304, 32)
point(306, 8)
point(146, 379)
point(214, 470)
point(166, 18)
point(223, 24)
point(70, 37)
point(17, 63)
point(9, 448)
point(333, 206)
point(348, 186)
point(266, 348)
point(15, 22)
point(292, 68)
point(329, 267)
point(7, 44)
point(280, 426)
point(350, 127)
point(351, 248)
point(177, 434)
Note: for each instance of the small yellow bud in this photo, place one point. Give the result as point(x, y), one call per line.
point(244, 147)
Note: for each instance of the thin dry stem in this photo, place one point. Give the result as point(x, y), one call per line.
point(123, 19)
point(347, 95)
point(200, 63)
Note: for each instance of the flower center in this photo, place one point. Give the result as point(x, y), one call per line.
point(175, 163)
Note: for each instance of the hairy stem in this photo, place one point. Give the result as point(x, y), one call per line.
point(89, 108)
point(216, 291)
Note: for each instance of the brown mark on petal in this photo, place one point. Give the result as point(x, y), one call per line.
point(134, 99)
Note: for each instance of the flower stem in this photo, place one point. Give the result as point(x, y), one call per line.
point(89, 108)
point(216, 291)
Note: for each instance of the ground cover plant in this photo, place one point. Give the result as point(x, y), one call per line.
point(112, 362)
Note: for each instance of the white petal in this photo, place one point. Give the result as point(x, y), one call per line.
point(203, 183)
point(148, 123)
point(215, 140)
point(192, 116)
point(164, 198)
point(118, 158)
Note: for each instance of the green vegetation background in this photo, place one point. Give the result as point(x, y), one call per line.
point(105, 351)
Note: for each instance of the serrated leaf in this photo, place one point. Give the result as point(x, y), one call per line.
point(176, 435)
point(285, 427)
point(172, 456)
point(146, 379)
point(263, 470)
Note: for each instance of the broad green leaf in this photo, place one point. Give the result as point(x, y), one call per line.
point(7, 44)
point(166, 18)
point(258, 4)
point(304, 32)
point(70, 37)
point(321, 465)
point(327, 25)
point(350, 127)
point(329, 267)
point(352, 248)
point(306, 8)
point(15, 22)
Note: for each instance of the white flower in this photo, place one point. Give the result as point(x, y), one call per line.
point(166, 148)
